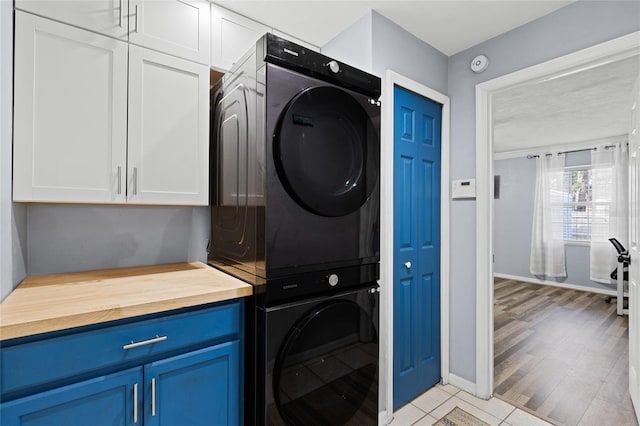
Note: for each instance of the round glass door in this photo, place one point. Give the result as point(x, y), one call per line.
point(326, 151)
point(326, 371)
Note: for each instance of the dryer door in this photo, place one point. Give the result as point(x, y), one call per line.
point(326, 151)
point(326, 371)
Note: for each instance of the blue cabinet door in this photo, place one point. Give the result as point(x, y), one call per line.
point(104, 401)
point(197, 388)
point(416, 269)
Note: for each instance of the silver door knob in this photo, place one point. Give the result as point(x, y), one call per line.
point(407, 265)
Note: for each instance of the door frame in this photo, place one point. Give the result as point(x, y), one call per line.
point(389, 81)
point(580, 60)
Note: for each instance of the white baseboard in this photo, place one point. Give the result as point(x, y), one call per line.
point(462, 384)
point(556, 284)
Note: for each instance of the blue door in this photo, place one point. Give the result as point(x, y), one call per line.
point(112, 400)
point(199, 388)
point(416, 292)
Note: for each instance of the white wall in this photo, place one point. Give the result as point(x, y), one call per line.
point(574, 27)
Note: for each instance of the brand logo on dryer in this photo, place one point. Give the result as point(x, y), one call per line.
point(290, 52)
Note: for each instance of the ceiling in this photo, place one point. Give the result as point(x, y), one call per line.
point(448, 25)
point(583, 106)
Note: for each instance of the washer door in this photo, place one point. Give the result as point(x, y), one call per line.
point(326, 151)
point(326, 371)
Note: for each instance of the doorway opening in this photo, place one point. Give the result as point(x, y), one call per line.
point(609, 52)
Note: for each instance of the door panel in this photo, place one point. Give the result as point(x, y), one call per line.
point(168, 130)
point(112, 396)
point(326, 152)
point(108, 17)
point(197, 388)
point(634, 251)
point(69, 113)
point(416, 245)
point(176, 27)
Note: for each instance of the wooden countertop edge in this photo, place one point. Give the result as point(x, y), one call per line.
point(15, 320)
point(13, 331)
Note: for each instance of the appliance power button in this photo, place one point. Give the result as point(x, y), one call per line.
point(333, 280)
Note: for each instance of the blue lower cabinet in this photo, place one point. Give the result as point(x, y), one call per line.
point(196, 388)
point(106, 400)
point(179, 369)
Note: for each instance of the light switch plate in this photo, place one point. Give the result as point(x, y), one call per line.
point(463, 189)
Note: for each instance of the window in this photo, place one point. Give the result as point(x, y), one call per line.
point(578, 207)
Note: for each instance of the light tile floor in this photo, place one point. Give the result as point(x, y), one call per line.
point(435, 403)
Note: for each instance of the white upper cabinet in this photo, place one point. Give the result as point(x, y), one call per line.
point(168, 129)
point(73, 140)
point(177, 27)
point(108, 17)
point(70, 104)
point(232, 35)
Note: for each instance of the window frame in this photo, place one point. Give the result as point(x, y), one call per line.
point(588, 204)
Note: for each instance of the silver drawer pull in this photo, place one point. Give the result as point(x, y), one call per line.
point(135, 403)
point(144, 342)
point(153, 396)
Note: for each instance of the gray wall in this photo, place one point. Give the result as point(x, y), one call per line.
point(12, 218)
point(396, 49)
point(353, 46)
point(574, 27)
point(64, 238)
point(513, 217)
point(375, 44)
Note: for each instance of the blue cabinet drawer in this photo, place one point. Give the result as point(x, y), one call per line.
point(37, 363)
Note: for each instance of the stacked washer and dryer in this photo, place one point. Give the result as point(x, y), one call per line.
point(295, 145)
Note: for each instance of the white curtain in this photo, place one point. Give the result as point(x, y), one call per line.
point(547, 240)
point(609, 170)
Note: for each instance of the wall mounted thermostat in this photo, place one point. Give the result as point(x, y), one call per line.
point(479, 63)
point(463, 189)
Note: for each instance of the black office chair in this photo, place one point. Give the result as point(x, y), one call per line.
point(623, 257)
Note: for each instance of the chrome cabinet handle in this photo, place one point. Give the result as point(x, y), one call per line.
point(119, 180)
point(153, 396)
point(135, 403)
point(135, 181)
point(144, 342)
point(136, 18)
point(407, 265)
point(120, 24)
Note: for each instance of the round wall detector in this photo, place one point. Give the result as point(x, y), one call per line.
point(479, 63)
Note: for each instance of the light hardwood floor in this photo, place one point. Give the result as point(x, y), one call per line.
point(561, 354)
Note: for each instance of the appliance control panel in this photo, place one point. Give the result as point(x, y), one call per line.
point(309, 284)
point(285, 53)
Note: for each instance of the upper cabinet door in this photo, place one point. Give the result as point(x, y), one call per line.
point(108, 17)
point(232, 35)
point(177, 27)
point(168, 129)
point(70, 104)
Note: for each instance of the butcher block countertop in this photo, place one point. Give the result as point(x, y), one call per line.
point(56, 302)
